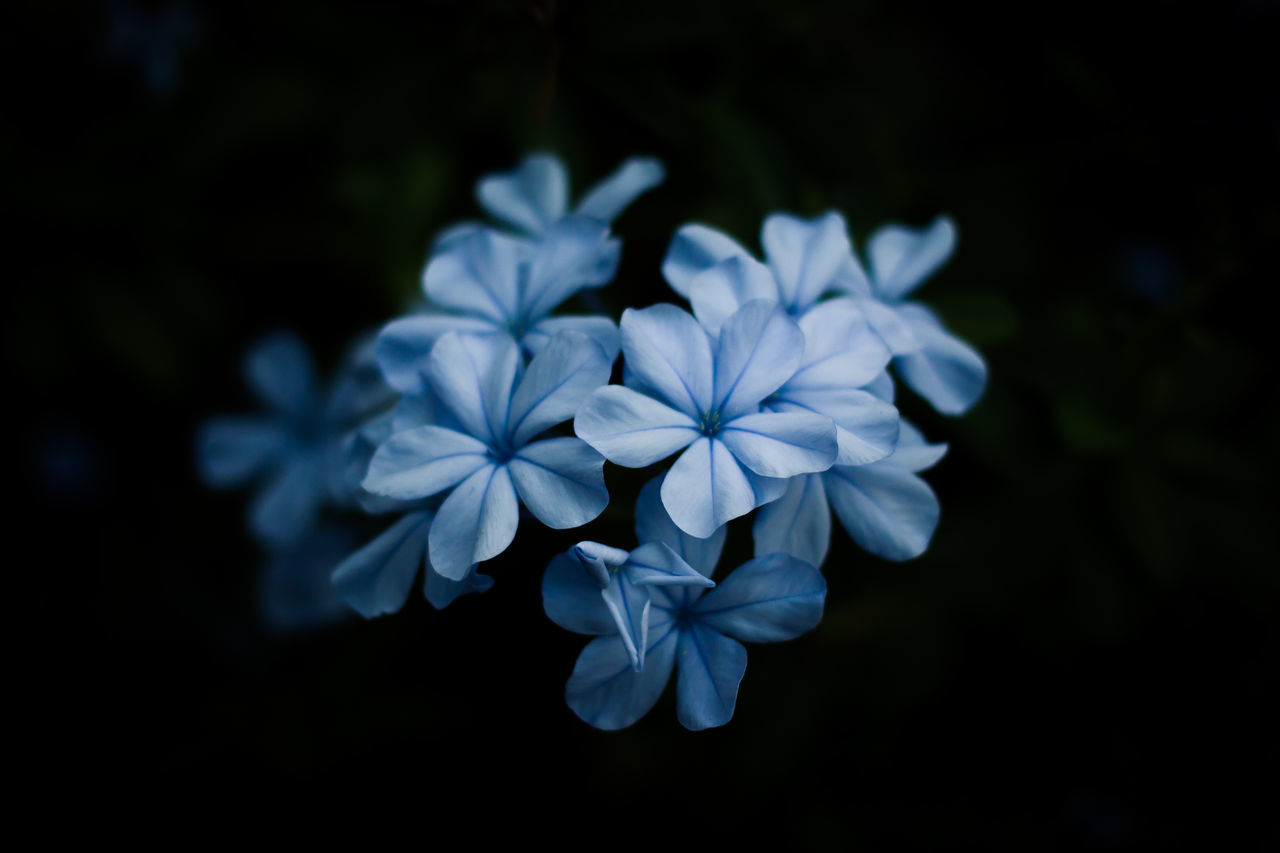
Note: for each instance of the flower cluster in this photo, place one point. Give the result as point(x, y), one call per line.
point(773, 393)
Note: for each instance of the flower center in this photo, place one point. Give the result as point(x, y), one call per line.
point(709, 423)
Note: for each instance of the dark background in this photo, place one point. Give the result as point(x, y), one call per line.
point(1086, 655)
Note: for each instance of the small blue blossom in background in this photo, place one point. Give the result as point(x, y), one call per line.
point(774, 394)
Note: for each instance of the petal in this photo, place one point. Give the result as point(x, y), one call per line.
point(571, 598)
point(913, 453)
point(404, 345)
point(631, 429)
point(782, 444)
point(602, 330)
point(599, 560)
point(377, 578)
point(287, 508)
point(232, 450)
point(473, 376)
point(667, 351)
point(563, 262)
point(841, 350)
point(423, 461)
point(530, 197)
point(475, 523)
point(555, 385)
point(706, 488)
point(441, 592)
point(656, 564)
point(694, 248)
point(629, 606)
point(771, 598)
point(478, 275)
point(719, 291)
point(606, 691)
point(901, 258)
point(945, 371)
point(798, 523)
point(610, 197)
point(866, 426)
point(881, 386)
point(805, 255)
point(279, 372)
point(653, 524)
point(561, 481)
point(889, 325)
point(760, 348)
point(887, 510)
point(358, 389)
point(711, 668)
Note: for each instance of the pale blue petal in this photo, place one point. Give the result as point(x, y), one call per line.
point(441, 592)
point(945, 371)
point(852, 278)
point(286, 509)
point(531, 197)
point(280, 374)
point(771, 598)
point(667, 351)
point(657, 564)
point(473, 376)
point(475, 523)
point(694, 248)
point(404, 345)
point(561, 481)
point(767, 489)
point(653, 524)
point(711, 668)
point(606, 691)
point(887, 510)
point(629, 606)
point(563, 263)
point(706, 488)
point(478, 275)
point(605, 266)
point(610, 197)
point(422, 409)
point(841, 350)
point(571, 598)
point(453, 235)
point(377, 578)
point(889, 325)
point(798, 523)
point(914, 453)
point(599, 560)
point(782, 444)
point(602, 330)
point(805, 255)
point(631, 429)
point(718, 292)
point(882, 387)
point(866, 426)
point(902, 258)
point(760, 348)
point(555, 385)
point(423, 461)
point(232, 450)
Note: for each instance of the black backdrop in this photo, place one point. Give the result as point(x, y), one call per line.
point(1085, 655)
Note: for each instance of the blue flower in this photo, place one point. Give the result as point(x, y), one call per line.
point(294, 593)
point(935, 364)
point(883, 506)
point(489, 284)
point(688, 391)
point(768, 599)
point(296, 448)
point(623, 581)
point(490, 462)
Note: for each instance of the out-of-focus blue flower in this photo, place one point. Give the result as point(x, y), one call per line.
point(294, 590)
point(685, 390)
point(490, 463)
point(884, 506)
point(768, 599)
point(623, 582)
point(935, 364)
point(296, 449)
point(489, 284)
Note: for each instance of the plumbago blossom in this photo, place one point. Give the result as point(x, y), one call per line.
point(773, 394)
